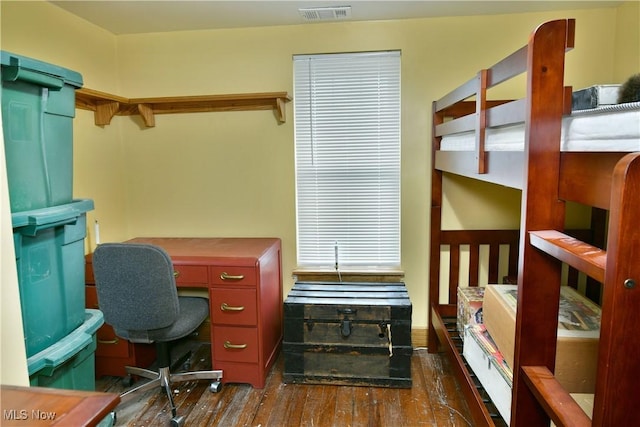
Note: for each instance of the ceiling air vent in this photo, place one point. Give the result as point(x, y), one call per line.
point(334, 13)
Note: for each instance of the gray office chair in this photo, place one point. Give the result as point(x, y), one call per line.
point(137, 293)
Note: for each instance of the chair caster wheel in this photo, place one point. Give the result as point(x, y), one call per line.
point(215, 387)
point(177, 421)
point(110, 420)
point(127, 381)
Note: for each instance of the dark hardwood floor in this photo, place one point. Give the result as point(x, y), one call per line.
point(434, 400)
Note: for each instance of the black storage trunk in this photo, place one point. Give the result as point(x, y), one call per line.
point(348, 333)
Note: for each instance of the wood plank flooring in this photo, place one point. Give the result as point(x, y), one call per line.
point(434, 400)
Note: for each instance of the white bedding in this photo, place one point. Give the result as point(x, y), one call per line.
point(609, 128)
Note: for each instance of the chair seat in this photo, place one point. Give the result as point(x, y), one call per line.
point(193, 311)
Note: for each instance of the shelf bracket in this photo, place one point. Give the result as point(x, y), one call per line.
point(105, 111)
point(146, 112)
point(281, 112)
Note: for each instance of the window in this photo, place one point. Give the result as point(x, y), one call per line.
point(347, 139)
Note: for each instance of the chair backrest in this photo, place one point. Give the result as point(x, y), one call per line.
point(136, 287)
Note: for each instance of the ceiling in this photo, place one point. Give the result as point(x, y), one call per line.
point(149, 16)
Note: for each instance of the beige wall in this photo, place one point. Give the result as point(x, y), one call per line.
point(627, 59)
point(232, 174)
point(13, 358)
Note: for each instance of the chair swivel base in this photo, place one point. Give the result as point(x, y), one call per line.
point(164, 378)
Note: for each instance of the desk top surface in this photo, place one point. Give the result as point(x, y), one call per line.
point(24, 406)
point(212, 247)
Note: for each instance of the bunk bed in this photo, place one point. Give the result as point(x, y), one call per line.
point(548, 173)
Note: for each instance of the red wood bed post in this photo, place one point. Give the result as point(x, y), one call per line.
point(481, 120)
point(539, 274)
point(436, 226)
point(616, 399)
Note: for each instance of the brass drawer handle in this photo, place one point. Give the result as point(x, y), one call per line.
point(226, 307)
point(228, 345)
point(109, 342)
point(225, 276)
point(176, 274)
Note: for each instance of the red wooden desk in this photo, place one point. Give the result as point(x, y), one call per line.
point(29, 406)
point(244, 280)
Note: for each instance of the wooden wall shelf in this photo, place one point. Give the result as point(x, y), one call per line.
point(105, 105)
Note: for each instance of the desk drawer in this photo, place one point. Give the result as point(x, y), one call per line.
point(235, 344)
point(234, 306)
point(191, 274)
point(109, 344)
point(233, 275)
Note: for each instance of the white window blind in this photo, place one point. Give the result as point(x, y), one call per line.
point(347, 139)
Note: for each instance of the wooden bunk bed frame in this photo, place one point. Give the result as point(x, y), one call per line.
point(547, 178)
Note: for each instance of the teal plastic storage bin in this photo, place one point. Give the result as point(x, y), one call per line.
point(49, 246)
point(38, 106)
point(70, 362)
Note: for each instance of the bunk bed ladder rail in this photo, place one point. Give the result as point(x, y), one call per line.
point(539, 277)
point(619, 269)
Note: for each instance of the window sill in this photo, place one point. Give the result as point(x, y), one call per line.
point(369, 275)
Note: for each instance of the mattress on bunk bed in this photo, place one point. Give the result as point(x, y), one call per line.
point(612, 128)
point(487, 363)
point(578, 333)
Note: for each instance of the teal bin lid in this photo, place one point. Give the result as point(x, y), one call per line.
point(17, 67)
point(53, 215)
point(69, 346)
